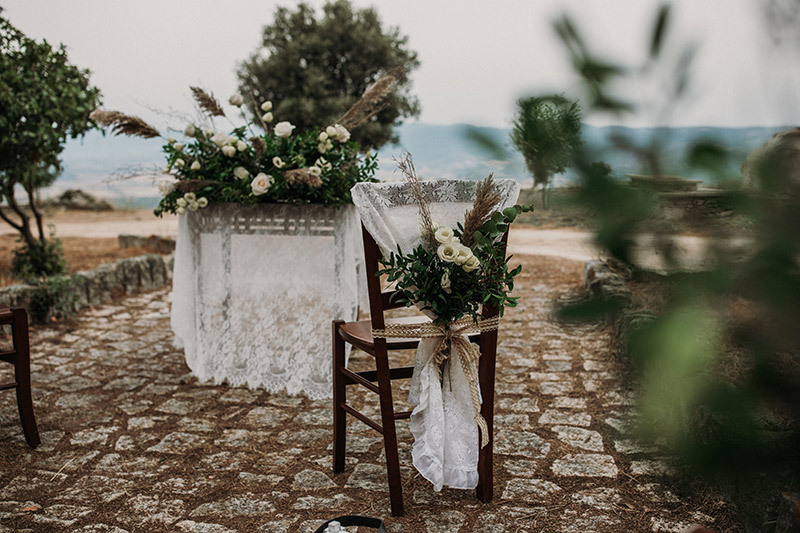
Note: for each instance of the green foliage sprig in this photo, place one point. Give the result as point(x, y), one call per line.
point(451, 290)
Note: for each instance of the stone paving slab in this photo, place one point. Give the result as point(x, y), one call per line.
point(132, 442)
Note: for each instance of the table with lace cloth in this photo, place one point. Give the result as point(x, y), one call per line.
point(255, 290)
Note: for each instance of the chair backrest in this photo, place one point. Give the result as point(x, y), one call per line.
point(380, 300)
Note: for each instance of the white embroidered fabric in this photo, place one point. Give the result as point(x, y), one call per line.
point(445, 449)
point(255, 290)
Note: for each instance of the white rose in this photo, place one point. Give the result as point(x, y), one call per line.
point(266, 106)
point(261, 183)
point(278, 162)
point(180, 210)
point(331, 131)
point(195, 165)
point(471, 264)
point(448, 252)
point(241, 173)
point(220, 139)
point(342, 134)
point(444, 235)
point(202, 201)
point(315, 171)
point(229, 150)
point(267, 117)
point(241, 146)
point(190, 197)
point(192, 206)
point(464, 253)
point(189, 130)
point(179, 163)
point(323, 137)
point(166, 186)
point(179, 147)
point(236, 100)
point(283, 129)
point(445, 283)
point(181, 202)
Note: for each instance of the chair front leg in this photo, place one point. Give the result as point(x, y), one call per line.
point(486, 376)
point(389, 431)
point(339, 398)
point(22, 375)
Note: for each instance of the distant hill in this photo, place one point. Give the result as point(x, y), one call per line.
point(96, 162)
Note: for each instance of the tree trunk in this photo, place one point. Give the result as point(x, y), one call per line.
point(22, 226)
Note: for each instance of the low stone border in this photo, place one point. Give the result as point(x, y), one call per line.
point(162, 245)
point(105, 283)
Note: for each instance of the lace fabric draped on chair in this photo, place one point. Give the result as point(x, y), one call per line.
point(254, 290)
point(446, 437)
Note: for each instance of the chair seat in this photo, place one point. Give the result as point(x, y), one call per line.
point(360, 333)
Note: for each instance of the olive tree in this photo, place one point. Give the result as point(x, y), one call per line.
point(314, 67)
point(44, 99)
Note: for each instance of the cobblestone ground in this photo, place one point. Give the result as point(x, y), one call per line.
point(132, 442)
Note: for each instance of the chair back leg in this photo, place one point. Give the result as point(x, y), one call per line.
point(339, 398)
point(22, 375)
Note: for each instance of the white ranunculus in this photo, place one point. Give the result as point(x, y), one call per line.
point(179, 163)
point(283, 129)
point(202, 201)
point(165, 186)
point(241, 146)
point(464, 253)
point(471, 264)
point(331, 131)
point(229, 150)
point(180, 202)
point(241, 173)
point(323, 137)
point(445, 283)
point(267, 117)
point(447, 252)
point(192, 206)
point(189, 197)
point(180, 210)
point(179, 147)
point(189, 130)
point(195, 165)
point(341, 133)
point(236, 99)
point(315, 171)
point(266, 106)
point(220, 139)
point(278, 162)
point(444, 235)
point(261, 183)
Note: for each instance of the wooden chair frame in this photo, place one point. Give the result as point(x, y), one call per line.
point(20, 357)
point(379, 380)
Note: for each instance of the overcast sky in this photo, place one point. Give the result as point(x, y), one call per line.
point(478, 57)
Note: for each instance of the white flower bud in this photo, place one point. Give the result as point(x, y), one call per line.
point(190, 197)
point(220, 139)
point(236, 100)
point(241, 173)
point(229, 150)
point(278, 162)
point(179, 147)
point(266, 106)
point(189, 130)
point(179, 163)
point(267, 117)
point(195, 165)
point(241, 146)
point(180, 210)
point(181, 202)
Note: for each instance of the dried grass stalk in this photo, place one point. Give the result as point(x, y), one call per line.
point(372, 101)
point(301, 176)
point(207, 102)
point(406, 166)
point(192, 185)
point(259, 145)
point(486, 200)
point(122, 124)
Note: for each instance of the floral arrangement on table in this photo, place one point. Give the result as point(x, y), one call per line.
point(454, 271)
point(317, 166)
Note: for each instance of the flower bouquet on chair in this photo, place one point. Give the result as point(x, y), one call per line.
point(460, 278)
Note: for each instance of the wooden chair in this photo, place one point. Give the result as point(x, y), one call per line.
point(19, 356)
point(359, 335)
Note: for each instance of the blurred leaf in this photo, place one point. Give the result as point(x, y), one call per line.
point(708, 156)
point(482, 139)
point(659, 31)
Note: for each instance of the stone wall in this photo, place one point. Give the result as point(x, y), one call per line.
point(104, 283)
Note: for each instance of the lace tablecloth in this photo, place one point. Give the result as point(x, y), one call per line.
point(255, 290)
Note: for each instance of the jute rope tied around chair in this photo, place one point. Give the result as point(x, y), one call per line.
point(452, 335)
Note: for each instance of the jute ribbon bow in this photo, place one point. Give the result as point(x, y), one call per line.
point(453, 334)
